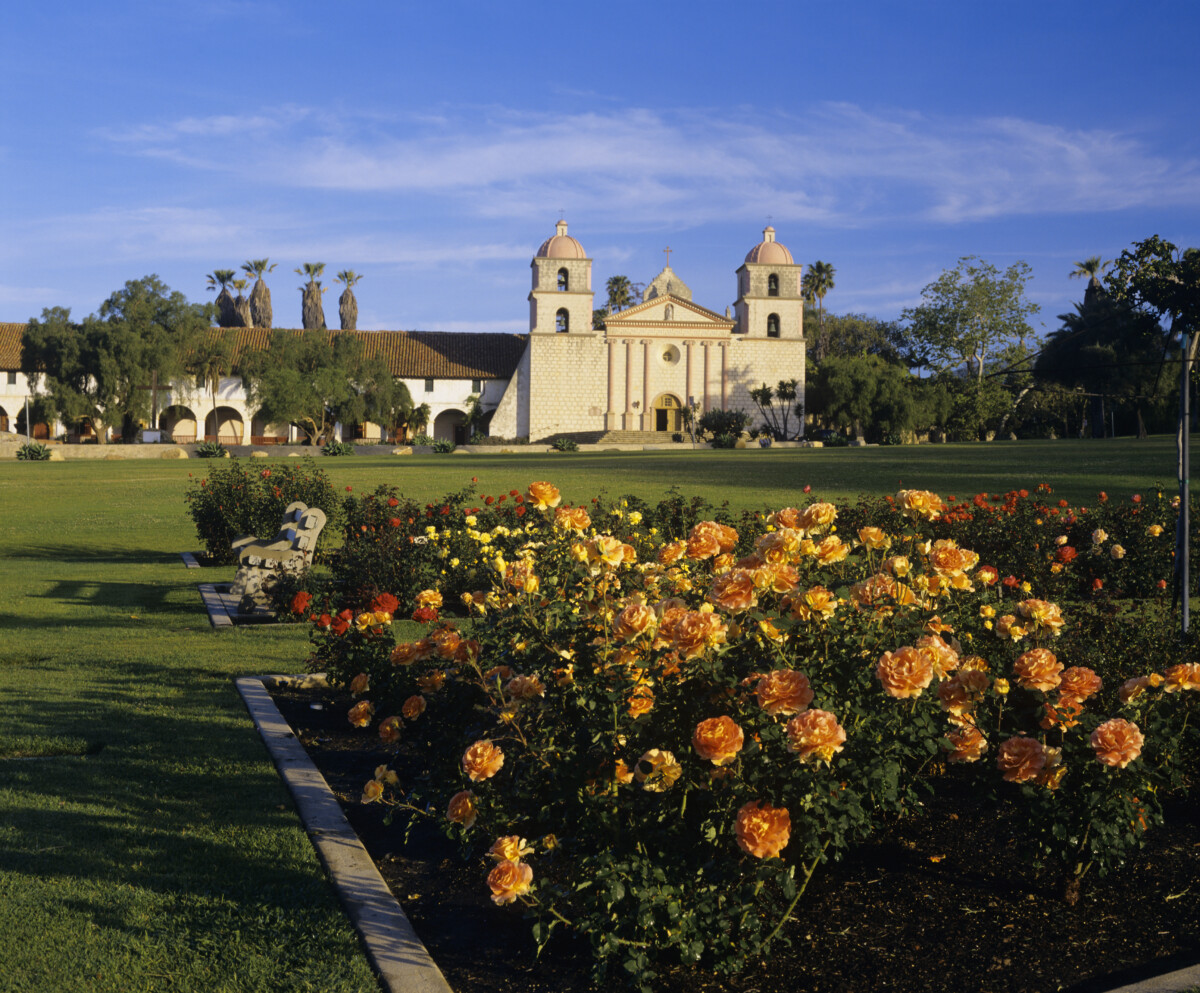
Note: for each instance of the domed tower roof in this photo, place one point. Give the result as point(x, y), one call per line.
point(562, 245)
point(769, 251)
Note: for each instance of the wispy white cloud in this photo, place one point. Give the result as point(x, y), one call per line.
point(838, 164)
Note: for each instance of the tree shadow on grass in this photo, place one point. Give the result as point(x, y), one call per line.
point(121, 555)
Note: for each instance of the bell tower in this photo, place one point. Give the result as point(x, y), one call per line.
point(770, 303)
point(560, 301)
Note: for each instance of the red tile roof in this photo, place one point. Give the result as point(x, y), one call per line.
point(409, 354)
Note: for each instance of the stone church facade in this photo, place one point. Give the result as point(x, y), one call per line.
point(654, 358)
point(637, 374)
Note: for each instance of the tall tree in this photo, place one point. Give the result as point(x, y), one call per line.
point(620, 293)
point(102, 370)
point(315, 380)
point(241, 304)
point(222, 279)
point(814, 285)
point(1091, 269)
point(777, 405)
point(866, 393)
point(971, 314)
point(261, 312)
point(312, 309)
point(347, 305)
point(211, 361)
point(857, 335)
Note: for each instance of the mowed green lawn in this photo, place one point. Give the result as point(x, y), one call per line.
point(145, 841)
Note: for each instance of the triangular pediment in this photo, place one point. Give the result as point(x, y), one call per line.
point(663, 311)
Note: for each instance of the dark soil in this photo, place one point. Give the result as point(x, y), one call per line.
point(938, 904)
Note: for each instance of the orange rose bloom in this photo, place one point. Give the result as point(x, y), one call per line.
point(572, 519)
point(606, 549)
point(372, 792)
point(520, 576)
point(525, 687)
point(1133, 688)
point(509, 848)
point(429, 598)
point(724, 537)
point(762, 830)
point(482, 761)
point(920, 505)
point(695, 632)
point(816, 602)
point(634, 621)
point(389, 730)
point(1021, 759)
point(671, 552)
point(784, 691)
point(789, 517)
point(779, 577)
point(406, 653)
point(510, 880)
point(874, 538)
point(641, 702)
point(657, 770)
point(816, 516)
point(1117, 742)
point(1079, 683)
point(360, 684)
point(905, 672)
point(815, 734)
point(832, 550)
point(1185, 676)
point(702, 545)
point(898, 565)
point(543, 496)
point(734, 591)
point(462, 809)
point(718, 740)
point(413, 707)
point(1044, 617)
point(1008, 627)
point(1038, 669)
point(942, 657)
point(969, 744)
point(361, 713)
point(431, 682)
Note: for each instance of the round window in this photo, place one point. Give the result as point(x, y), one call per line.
point(670, 355)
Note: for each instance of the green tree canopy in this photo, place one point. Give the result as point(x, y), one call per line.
point(969, 316)
point(101, 371)
point(872, 396)
point(314, 380)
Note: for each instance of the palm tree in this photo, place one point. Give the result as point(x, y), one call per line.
point(816, 283)
point(1091, 267)
point(620, 293)
point(221, 279)
point(241, 305)
point(347, 305)
point(210, 362)
point(260, 297)
point(312, 310)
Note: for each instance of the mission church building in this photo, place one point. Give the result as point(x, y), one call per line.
point(654, 358)
point(564, 377)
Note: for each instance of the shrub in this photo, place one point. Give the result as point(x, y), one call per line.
point(423, 439)
point(723, 422)
point(677, 437)
point(337, 448)
point(685, 728)
point(211, 450)
point(238, 498)
point(33, 451)
point(443, 446)
point(725, 441)
point(566, 445)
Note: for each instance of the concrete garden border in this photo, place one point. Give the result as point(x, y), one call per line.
point(401, 961)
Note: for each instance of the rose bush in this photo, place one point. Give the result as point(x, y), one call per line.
point(692, 714)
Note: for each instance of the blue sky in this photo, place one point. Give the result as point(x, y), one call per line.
point(431, 147)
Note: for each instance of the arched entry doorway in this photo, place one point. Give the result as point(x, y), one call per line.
point(668, 413)
point(40, 432)
point(3, 419)
point(224, 425)
point(178, 423)
point(451, 425)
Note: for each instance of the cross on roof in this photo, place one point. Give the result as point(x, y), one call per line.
point(668, 250)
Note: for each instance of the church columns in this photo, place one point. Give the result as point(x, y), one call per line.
point(610, 415)
point(687, 373)
point(707, 346)
point(646, 421)
point(724, 375)
point(628, 425)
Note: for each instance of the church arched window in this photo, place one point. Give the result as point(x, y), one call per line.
point(772, 325)
point(562, 321)
point(772, 285)
point(564, 279)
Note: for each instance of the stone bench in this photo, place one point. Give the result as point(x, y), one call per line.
point(261, 564)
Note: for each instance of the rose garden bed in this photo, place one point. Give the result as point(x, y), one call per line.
point(931, 906)
point(895, 741)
